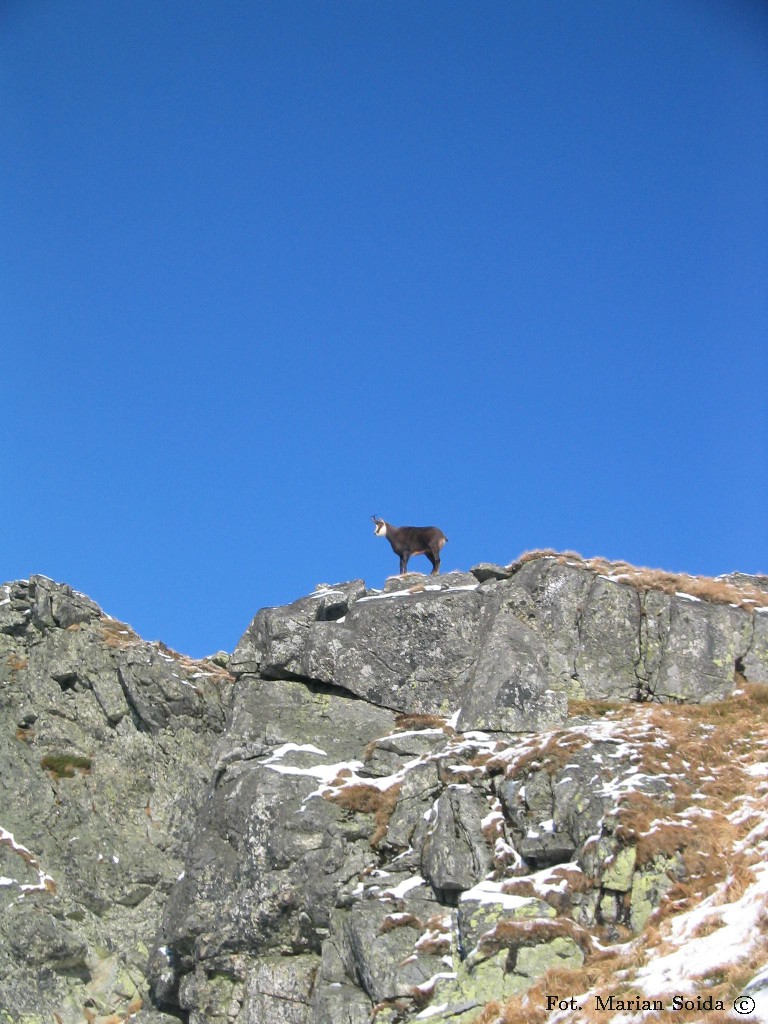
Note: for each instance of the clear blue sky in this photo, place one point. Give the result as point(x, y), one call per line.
point(267, 268)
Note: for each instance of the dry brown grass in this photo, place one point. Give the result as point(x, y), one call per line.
point(601, 974)
point(420, 996)
point(483, 760)
point(16, 662)
point(516, 1011)
point(362, 798)
point(30, 859)
point(705, 751)
point(121, 1017)
point(400, 1004)
point(117, 634)
point(369, 751)
point(493, 830)
point(509, 934)
point(458, 775)
point(593, 708)
point(707, 588)
point(407, 722)
point(636, 825)
point(560, 899)
point(489, 1014)
point(195, 666)
point(434, 945)
point(436, 940)
point(708, 927)
point(550, 756)
point(532, 555)
point(393, 921)
point(133, 1008)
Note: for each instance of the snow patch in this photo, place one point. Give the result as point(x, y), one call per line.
point(401, 890)
point(491, 892)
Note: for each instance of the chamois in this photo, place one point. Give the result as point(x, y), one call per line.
point(412, 540)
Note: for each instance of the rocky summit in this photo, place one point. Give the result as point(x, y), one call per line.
point(524, 792)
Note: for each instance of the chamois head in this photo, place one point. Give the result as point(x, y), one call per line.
point(380, 527)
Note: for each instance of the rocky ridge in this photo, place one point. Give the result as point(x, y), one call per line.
point(415, 802)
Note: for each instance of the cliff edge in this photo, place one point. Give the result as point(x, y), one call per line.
point(427, 801)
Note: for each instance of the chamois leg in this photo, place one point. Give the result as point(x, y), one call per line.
point(403, 564)
point(435, 560)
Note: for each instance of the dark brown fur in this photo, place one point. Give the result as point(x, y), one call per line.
point(407, 541)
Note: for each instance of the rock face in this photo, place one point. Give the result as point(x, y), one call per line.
point(105, 751)
point(380, 803)
point(506, 652)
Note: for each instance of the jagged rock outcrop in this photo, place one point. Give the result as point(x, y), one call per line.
point(380, 805)
point(504, 649)
point(423, 649)
point(105, 751)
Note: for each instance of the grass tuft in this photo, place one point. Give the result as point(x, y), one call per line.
point(64, 766)
point(412, 722)
point(362, 798)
